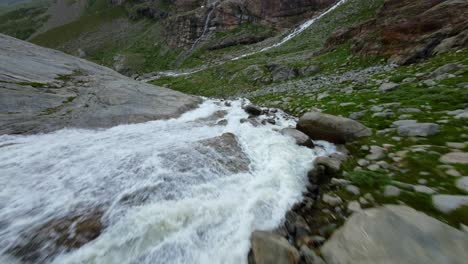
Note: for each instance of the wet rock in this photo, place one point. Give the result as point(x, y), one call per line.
point(455, 158)
point(380, 232)
point(300, 138)
point(331, 128)
point(42, 243)
point(447, 203)
point(253, 110)
point(270, 248)
point(332, 164)
point(227, 146)
point(418, 130)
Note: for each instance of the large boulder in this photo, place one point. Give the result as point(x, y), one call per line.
point(331, 128)
point(270, 248)
point(42, 90)
point(394, 235)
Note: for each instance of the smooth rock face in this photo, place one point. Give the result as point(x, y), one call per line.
point(447, 203)
point(331, 128)
point(42, 90)
point(269, 248)
point(394, 235)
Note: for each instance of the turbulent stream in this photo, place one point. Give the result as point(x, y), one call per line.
point(168, 192)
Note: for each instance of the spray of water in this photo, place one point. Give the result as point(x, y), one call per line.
point(195, 210)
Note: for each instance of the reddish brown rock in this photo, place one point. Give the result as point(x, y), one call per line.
point(409, 30)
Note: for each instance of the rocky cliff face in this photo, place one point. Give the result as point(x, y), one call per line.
point(410, 30)
point(188, 18)
point(42, 90)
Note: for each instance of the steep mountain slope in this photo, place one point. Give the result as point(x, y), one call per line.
point(42, 90)
point(143, 36)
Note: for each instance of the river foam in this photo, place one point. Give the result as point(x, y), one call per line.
point(198, 215)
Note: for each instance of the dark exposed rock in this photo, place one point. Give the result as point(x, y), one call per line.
point(331, 128)
point(253, 110)
point(58, 235)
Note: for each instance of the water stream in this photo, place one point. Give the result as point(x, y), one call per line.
point(167, 196)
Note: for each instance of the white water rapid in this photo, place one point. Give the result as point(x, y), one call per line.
point(167, 197)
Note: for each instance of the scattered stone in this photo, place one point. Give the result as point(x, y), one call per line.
point(353, 189)
point(455, 158)
point(418, 130)
point(363, 162)
point(253, 110)
point(456, 145)
point(409, 110)
point(391, 191)
point(446, 69)
point(462, 183)
point(373, 167)
point(332, 200)
point(339, 182)
point(376, 153)
point(447, 203)
point(376, 236)
point(331, 128)
point(423, 189)
point(357, 115)
point(422, 181)
point(403, 123)
point(453, 173)
point(403, 185)
point(268, 247)
point(354, 206)
point(429, 83)
point(387, 87)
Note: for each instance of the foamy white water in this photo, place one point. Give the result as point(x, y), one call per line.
point(197, 212)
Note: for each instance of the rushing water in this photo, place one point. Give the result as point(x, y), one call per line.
point(197, 211)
